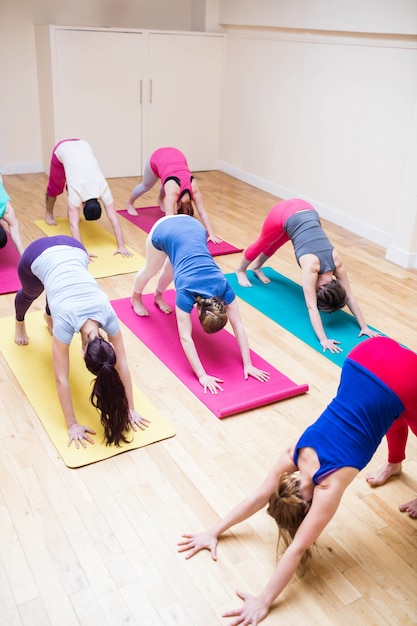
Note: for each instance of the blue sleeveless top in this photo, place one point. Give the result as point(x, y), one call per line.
point(350, 429)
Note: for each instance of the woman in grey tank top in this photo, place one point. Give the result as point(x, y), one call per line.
point(324, 277)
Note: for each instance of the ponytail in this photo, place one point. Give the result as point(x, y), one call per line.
point(108, 395)
point(288, 509)
point(213, 315)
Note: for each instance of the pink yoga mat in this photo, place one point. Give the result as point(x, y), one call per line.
point(9, 258)
point(219, 354)
point(149, 215)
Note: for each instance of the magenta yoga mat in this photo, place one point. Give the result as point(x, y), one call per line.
point(149, 215)
point(9, 258)
point(219, 354)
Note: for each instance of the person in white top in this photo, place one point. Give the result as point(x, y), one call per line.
point(74, 166)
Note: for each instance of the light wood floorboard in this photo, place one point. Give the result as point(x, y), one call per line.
point(97, 545)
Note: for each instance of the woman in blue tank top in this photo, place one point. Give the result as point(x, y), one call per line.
point(303, 490)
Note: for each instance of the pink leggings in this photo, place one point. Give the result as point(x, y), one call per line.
point(397, 368)
point(57, 177)
point(273, 235)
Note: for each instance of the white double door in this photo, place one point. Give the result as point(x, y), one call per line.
point(128, 93)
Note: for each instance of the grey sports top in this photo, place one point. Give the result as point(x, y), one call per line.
point(308, 237)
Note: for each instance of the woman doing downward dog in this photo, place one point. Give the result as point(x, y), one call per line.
point(303, 490)
point(178, 244)
point(75, 303)
point(325, 280)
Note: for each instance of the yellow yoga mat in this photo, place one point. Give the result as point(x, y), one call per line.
point(32, 366)
point(97, 240)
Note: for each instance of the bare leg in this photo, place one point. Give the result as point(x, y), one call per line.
point(49, 210)
point(20, 335)
point(383, 474)
point(148, 181)
point(160, 302)
point(130, 208)
point(410, 508)
point(241, 275)
point(165, 279)
point(155, 259)
point(48, 320)
point(138, 305)
point(262, 258)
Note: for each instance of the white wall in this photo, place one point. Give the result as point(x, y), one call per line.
point(320, 98)
point(328, 116)
point(20, 141)
point(363, 16)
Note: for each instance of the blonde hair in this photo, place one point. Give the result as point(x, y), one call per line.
point(213, 315)
point(288, 508)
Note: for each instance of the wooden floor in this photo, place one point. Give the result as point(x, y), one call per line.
point(97, 545)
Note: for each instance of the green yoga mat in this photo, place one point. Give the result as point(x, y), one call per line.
point(282, 300)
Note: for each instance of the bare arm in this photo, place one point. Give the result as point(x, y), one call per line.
point(342, 276)
point(185, 334)
point(122, 367)
point(240, 334)
point(198, 200)
point(60, 359)
point(326, 499)
point(310, 270)
point(74, 221)
point(117, 229)
point(11, 220)
point(168, 197)
point(253, 503)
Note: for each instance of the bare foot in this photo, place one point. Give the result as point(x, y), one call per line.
point(242, 279)
point(48, 320)
point(160, 302)
point(20, 335)
point(381, 476)
point(49, 219)
point(137, 305)
point(410, 508)
point(131, 209)
point(260, 275)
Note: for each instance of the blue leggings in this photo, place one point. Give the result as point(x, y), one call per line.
point(31, 285)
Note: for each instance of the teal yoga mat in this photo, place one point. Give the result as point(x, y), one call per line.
point(282, 300)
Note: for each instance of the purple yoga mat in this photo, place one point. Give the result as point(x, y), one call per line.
point(9, 258)
point(149, 215)
point(219, 354)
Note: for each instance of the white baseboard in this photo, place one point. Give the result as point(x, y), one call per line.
point(401, 257)
point(22, 168)
point(329, 213)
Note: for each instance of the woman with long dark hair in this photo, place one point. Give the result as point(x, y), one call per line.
point(75, 303)
point(377, 395)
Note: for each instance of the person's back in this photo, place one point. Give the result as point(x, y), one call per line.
point(83, 174)
point(394, 364)
point(73, 294)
